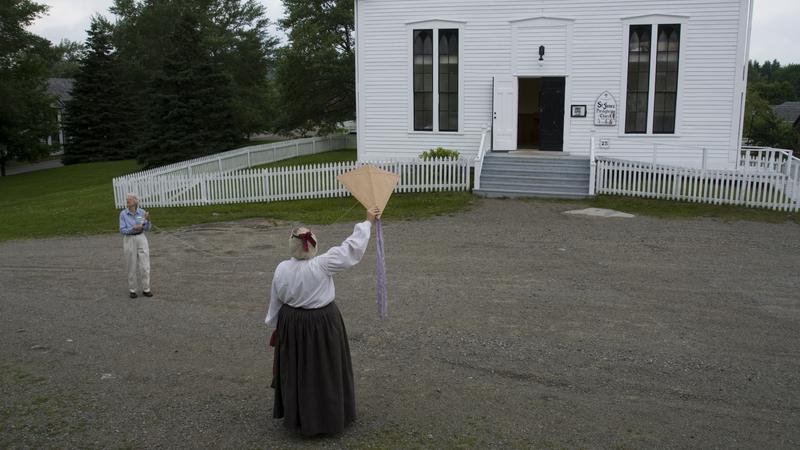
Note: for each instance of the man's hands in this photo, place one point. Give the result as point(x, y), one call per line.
point(139, 227)
point(373, 213)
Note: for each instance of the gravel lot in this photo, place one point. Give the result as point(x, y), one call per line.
point(510, 326)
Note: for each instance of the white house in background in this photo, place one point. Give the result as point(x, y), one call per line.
point(644, 75)
point(61, 90)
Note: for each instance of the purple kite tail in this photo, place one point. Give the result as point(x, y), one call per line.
point(382, 305)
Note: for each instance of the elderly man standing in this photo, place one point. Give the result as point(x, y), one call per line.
point(133, 222)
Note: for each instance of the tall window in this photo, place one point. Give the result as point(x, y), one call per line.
point(652, 96)
point(448, 80)
point(441, 46)
point(638, 79)
point(423, 80)
point(667, 52)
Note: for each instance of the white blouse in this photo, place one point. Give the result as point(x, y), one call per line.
point(308, 283)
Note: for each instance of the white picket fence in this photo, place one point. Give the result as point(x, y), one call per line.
point(243, 158)
point(764, 178)
point(286, 183)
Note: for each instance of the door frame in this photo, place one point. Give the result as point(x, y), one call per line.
point(567, 96)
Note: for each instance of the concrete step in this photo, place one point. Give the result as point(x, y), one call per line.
point(524, 162)
point(558, 171)
point(510, 193)
point(551, 186)
point(534, 178)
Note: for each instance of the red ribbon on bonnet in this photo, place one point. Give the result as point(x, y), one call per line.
point(306, 238)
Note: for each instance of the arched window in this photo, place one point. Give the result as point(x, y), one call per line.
point(666, 78)
point(638, 79)
point(423, 80)
point(641, 65)
point(439, 45)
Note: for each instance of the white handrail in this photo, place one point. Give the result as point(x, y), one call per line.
point(479, 157)
point(236, 159)
point(592, 163)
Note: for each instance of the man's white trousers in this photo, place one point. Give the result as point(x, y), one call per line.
point(137, 257)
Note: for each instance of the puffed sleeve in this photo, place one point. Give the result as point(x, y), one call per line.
point(349, 253)
point(274, 303)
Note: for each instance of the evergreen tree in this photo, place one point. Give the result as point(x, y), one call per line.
point(235, 35)
point(191, 111)
point(316, 72)
point(26, 110)
point(96, 123)
point(65, 60)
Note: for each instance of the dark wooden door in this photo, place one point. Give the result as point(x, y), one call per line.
point(551, 106)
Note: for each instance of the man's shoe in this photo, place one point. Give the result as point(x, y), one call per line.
point(133, 295)
point(147, 293)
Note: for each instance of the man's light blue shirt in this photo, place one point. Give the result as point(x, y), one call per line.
point(127, 220)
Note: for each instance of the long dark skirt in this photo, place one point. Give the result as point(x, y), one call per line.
point(314, 376)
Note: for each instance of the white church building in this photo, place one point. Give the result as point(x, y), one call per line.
point(646, 78)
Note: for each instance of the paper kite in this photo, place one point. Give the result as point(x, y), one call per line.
point(372, 187)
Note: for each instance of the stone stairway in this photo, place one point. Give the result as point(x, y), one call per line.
point(534, 174)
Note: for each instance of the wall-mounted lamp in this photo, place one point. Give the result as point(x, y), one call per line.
point(541, 53)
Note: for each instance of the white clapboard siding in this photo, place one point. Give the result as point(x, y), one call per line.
point(592, 56)
point(289, 183)
point(760, 187)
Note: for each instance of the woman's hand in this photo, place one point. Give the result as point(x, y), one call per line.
point(373, 213)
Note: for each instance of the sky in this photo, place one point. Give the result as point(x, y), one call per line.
point(775, 35)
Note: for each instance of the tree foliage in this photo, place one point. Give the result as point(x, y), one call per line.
point(233, 33)
point(97, 120)
point(65, 59)
point(773, 82)
point(770, 83)
point(191, 112)
point(26, 115)
point(316, 70)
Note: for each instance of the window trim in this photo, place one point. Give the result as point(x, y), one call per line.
point(654, 21)
point(434, 25)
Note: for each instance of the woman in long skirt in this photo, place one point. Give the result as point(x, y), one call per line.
point(313, 375)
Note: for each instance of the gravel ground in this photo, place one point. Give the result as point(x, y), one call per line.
point(511, 326)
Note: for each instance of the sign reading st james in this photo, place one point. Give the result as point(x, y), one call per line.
point(605, 110)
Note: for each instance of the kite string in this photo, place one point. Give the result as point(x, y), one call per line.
point(356, 203)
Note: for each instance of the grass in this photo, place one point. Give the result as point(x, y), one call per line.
point(68, 200)
point(78, 200)
point(319, 158)
point(668, 209)
point(34, 412)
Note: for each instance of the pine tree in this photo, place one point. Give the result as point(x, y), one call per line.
point(191, 113)
point(97, 119)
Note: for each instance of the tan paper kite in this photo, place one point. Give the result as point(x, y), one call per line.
point(372, 187)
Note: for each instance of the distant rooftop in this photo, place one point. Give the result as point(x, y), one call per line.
point(60, 87)
point(788, 111)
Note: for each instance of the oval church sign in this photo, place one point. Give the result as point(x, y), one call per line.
point(605, 110)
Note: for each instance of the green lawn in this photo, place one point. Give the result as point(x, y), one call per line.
point(78, 199)
point(319, 158)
